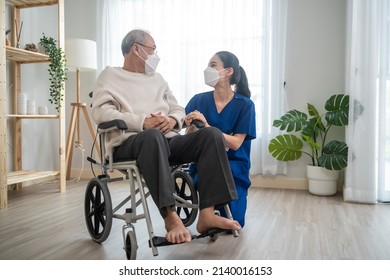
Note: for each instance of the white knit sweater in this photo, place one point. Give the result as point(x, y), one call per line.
point(132, 97)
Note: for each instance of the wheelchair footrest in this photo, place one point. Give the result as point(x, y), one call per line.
point(210, 233)
point(160, 241)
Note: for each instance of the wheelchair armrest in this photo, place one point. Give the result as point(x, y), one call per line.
point(114, 124)
point(105, 127)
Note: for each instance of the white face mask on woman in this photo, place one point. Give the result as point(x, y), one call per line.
point(151, 62)
point(211, 76)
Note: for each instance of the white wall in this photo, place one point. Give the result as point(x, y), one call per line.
point(80, 22)
point(315, 59)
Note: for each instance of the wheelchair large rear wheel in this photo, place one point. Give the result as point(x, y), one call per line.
point(98, 210)
point(184, 188)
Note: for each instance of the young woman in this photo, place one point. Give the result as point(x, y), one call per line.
point(233, 112)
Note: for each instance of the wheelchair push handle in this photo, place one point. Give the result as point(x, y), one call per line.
point(197, 123)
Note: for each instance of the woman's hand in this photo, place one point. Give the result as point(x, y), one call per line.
point(195, 115)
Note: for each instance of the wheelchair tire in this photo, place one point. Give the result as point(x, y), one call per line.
point(184, 187)
point(98, 210)
point(131, 245)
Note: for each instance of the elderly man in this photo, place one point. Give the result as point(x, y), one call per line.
point(140, 96)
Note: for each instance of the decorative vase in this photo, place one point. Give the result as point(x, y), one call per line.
point(41, 48)
point(322, 181)
point(22, 104)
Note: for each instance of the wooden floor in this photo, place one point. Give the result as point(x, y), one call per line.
point(41, 223)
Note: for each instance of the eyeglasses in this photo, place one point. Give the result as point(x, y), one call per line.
point(153, 48)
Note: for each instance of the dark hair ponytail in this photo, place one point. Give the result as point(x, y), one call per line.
point(242, 85)
point(239, 78)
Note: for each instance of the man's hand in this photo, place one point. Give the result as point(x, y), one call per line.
point(162, 123)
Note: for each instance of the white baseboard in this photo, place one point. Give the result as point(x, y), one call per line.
point(88, 174)
point(283, 182)
point(279, 182)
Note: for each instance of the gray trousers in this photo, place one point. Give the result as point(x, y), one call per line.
point(154, 154)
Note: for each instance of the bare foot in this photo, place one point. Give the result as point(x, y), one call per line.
point(176, 231)
point(208, 220)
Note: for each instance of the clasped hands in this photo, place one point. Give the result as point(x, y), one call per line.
point(160, 122)
point(166, 124)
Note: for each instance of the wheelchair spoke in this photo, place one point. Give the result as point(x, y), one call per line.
point(91, 197)
point(96, 210)
point(186, 211)
point(101, 215)
point(181, 189)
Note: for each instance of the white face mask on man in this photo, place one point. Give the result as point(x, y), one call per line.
point(211, 76)
point(151, 62)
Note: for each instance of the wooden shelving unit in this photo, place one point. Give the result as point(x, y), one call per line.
point(18, 57)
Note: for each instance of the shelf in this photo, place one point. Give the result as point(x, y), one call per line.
point(33, 116)
point(28, 175)
point(31, 3)
point(23, 56)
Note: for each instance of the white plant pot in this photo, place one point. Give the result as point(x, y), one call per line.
point(322, 181)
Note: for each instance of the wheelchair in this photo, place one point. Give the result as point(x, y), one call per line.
point(99, 211)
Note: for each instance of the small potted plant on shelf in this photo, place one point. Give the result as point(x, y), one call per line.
point(57, 69)
point(327, 158)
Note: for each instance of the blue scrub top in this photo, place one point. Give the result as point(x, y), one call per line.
point(237, 117)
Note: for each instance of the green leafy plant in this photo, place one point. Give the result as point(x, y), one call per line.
point(57, 70)
point(313, 130)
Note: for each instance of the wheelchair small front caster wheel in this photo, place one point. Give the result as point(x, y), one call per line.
point(98, 210)
point(131, 245)
point(214, 237)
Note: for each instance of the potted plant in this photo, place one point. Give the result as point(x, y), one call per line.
point(327, 157)
point(57, 69)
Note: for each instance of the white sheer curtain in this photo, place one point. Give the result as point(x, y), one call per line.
point(188, 33)
point(368, 172)
point(273, 94)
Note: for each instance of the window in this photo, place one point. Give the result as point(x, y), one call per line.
point(189, 33)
